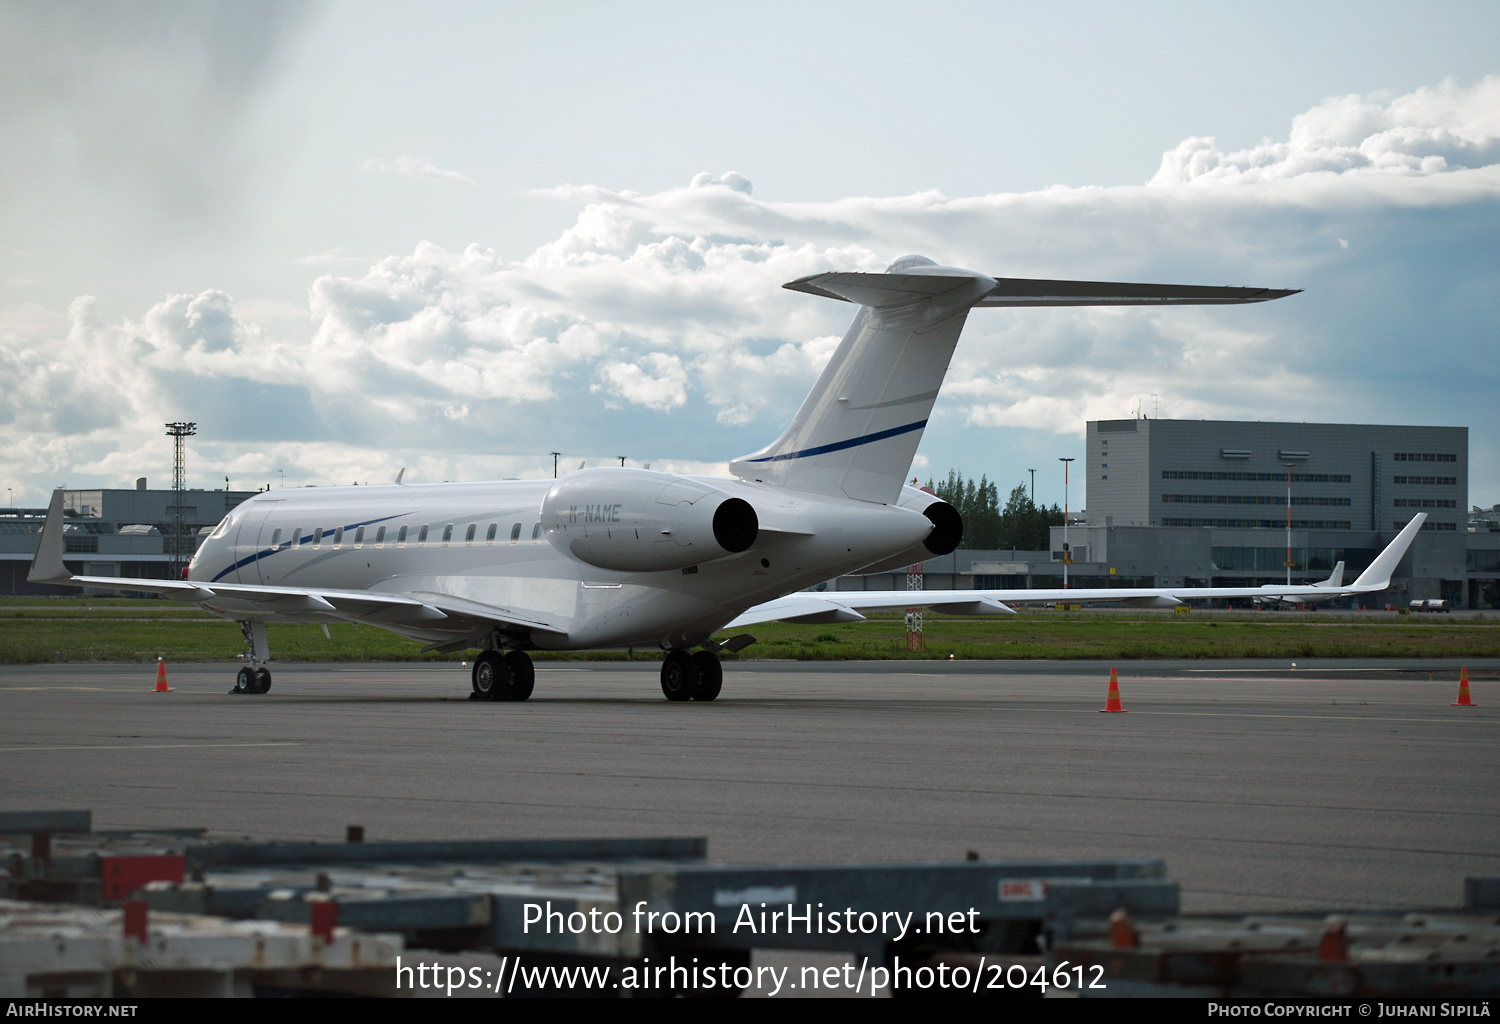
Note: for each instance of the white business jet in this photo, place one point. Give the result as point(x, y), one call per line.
point(617, 558)
point(1329, 588)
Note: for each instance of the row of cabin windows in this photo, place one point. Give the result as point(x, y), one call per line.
point(315, 538)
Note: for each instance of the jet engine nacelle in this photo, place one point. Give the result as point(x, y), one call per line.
point(634, 520)
point(947, 531)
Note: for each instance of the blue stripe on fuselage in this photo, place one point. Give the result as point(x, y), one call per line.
point(303, 540)
point(838, 446)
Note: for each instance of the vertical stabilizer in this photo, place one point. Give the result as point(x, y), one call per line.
point(47, 564)
point(859, 427)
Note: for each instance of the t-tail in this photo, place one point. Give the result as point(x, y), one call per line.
point(858, 429)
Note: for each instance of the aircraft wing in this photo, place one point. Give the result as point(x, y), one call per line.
point(845, 606)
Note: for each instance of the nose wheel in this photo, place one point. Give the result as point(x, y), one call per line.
point(252, 680)
point(688, 676)
point(503, 676)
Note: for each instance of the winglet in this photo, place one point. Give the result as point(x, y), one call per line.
point(1378, 575)
point(47, 565)
point(1335, 578)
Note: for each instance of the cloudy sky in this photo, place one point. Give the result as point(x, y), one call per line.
point(350, 237)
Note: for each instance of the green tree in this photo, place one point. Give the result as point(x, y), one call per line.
point(1021, 524)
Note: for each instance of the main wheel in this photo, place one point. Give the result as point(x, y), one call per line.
point(679, 676)
point(522, 676)
point(244, 680)
point(710, 675)
point(262, 681)
point(491, 676)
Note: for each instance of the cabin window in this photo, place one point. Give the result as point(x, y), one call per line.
point(536, 533)
point(338, 536)
point(275, 538)
point(447, 535)
point(296, 536)
point(515, 534)
point(489, 535)
point(401, 537)
point(317, 536)
point(380, 537)
point(422, 535)
point(359, 537)
point(469, 533)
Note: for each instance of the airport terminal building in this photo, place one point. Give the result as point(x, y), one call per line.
point(1205, 503)
point(117, 532)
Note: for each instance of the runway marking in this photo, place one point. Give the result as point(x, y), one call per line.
point(149, 746)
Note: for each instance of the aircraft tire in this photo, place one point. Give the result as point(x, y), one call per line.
point(710, 675)
point(491, 676)
point(522, 676)
point(244, 680)
point(262, 680)
point(679, 676)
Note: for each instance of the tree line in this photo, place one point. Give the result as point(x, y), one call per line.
point(1020, 524)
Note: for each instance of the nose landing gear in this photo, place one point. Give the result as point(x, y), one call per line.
point(254, 677)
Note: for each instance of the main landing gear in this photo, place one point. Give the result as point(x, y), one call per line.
point(691, 676)
point(503, 676)
point(254, 677)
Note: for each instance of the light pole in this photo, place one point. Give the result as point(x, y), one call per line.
point(554, 464)
point(1033, 485)
point(1288, 524)
point(622, 460)
point(282, 473)
point(1067, 553)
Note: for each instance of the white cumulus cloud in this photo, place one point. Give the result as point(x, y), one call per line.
point(655, 325)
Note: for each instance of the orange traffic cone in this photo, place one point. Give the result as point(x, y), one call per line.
point(1463, 691)
point(1112, 701)
point(161, 676)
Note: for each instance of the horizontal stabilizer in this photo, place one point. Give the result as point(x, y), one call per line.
point(880, 290)
point(1020, 291)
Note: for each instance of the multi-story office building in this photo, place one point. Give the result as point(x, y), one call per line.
point(1232, 503)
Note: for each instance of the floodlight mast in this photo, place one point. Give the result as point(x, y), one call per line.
point(1288, 523)
point(1067, 557)
point(178, 432)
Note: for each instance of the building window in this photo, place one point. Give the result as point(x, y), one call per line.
point(515, 534)
point(469, 534)
point(489, 535)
